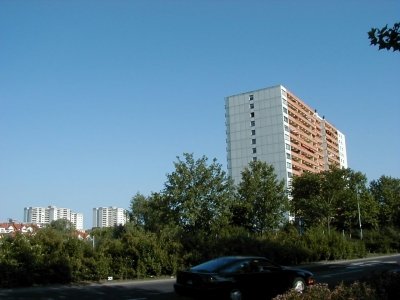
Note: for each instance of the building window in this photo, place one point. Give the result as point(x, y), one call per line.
point(286, 128)
point(289, 174)
point(285, 119)
point(287, 146)
point(287, 137)
point(252, 114)
point(288, 165)
point(253, 132)
point(288, 156)
point(254, 150)
point(254, 158)
point(285, 110)
point(251, 105)
point(253, 141)
point(251, 97)
point(253, 123)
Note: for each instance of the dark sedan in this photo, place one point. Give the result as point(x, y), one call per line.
point(240, 277)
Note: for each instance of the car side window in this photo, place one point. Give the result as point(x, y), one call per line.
point(246, 267)
point(238, 267)
point(266, 266)
point(252, 267)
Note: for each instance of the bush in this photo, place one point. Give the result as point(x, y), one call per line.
point(129, 252)
point(331, 246)
point(386, 240)
point(356, 290)
point(386, 284)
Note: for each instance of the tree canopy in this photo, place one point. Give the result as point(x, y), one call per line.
point(262, 198)
point(386, 191)
point(200, 214)
point(196, 196)
point(333, 197)
point(386, 38)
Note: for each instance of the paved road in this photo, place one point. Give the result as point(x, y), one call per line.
point(158, 289)
point(162, 289)
point(128, 290)
point(348, 271)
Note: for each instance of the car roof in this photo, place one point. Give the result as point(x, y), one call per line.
point(220, 262)
point(242, 256)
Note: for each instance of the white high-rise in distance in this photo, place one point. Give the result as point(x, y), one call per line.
point(45, 215)
point(109, 216)
point(275, 126)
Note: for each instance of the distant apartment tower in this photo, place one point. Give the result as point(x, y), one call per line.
point(109, 216)
point(77, 220)
point(45, 215)
point(275, 126)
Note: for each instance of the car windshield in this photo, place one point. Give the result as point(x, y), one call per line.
point(222, 264)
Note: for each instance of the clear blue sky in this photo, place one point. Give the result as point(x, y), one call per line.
point(98, 98)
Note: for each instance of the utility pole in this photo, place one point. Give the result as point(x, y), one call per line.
point(359, 214)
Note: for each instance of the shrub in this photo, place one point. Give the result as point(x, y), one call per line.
point(386, 284)
point(356, 290)
point(384, 240)
point(333, 245)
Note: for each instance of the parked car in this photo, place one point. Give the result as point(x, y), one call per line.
point(240, 277)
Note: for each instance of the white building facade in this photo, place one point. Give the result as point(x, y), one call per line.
point(274, 126)
point(109, 216)
point(36, 215)
point(45, 215)
point(77, 220)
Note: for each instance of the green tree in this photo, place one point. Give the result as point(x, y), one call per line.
point(305, 204)
point(263, 199)
point(386, 38)
point(62, 225)
point(153, 213)
point(386, 191)
point(333, 193)
point(197, 196)
point(333, 197)
point(20, 261)
point(356, 208)
point(56, 255)
point(139, 210)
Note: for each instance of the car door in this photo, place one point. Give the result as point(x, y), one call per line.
point(269, 278)
point(256, 278)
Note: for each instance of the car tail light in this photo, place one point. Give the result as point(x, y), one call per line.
point(310, 281)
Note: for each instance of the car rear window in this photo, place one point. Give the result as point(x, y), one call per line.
point(226, 264)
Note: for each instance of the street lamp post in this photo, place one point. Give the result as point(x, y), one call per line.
point(359, 214)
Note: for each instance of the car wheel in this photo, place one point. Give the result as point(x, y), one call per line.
point(299, 284)
point(235, 295)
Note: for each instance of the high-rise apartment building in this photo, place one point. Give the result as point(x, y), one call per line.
point(36, 215)
point(109, 216)
point(275, 126)
point(77, 220)
point(45, 215)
